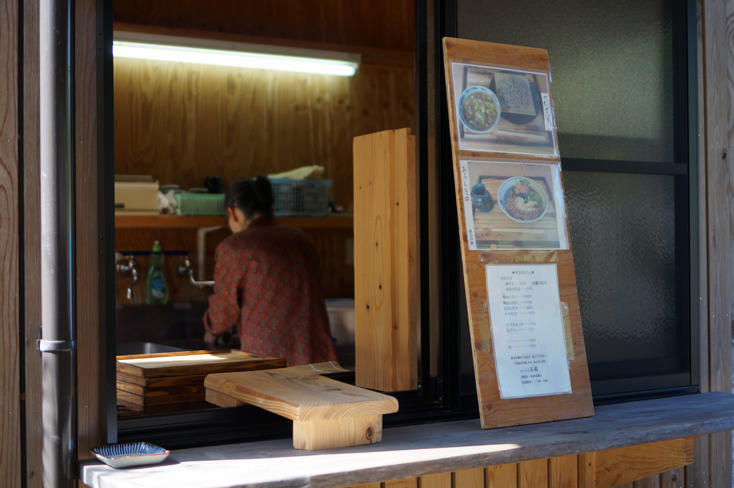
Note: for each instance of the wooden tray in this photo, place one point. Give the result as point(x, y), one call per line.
point(188, 363)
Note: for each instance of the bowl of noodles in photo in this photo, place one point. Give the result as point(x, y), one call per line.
point(522, 199)
point(479, 109)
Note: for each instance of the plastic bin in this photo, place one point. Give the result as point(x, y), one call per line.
point(200, 203)
point(304, 198)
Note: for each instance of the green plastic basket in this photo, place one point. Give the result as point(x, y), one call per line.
point(200, 203)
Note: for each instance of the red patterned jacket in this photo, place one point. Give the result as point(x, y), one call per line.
point(268, 284)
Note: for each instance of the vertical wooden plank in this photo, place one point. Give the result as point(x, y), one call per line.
point(674, 478)
point(385, 261)
point(631, 484)
point(440, 480)
point(32, 244)
point(91, 377)
point(532, 474)
point(370, 485)
point(697, 474)
point(373, 263)
point(10, 454)
point(407, 293)
point(649, 482)
point(469, 478)
point(587, 469)
point(563, 472)
point(402, 483)
point(717, 105)
point(502, 476)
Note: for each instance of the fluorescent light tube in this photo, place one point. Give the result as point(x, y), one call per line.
point(224, 53)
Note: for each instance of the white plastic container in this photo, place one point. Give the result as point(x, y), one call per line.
point(341, 320)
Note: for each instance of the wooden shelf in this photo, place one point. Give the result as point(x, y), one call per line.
point(344, 221)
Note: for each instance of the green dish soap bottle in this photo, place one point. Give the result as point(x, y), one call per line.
point(156, 286)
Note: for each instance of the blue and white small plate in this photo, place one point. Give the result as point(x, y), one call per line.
point(130, 454)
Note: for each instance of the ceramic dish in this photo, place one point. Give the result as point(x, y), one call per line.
point(479, 109)
point(522, 199)
point(130, 454)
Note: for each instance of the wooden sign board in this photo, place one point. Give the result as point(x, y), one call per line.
point(527, 341)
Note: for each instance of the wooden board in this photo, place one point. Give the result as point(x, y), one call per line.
point(167, 396)
point(160, 409)
point(194, 363)
point(469, 478)
point(301, 396)
point(613, 467)
point(160, 382)
point(495, 412)
point(502, 476)
point(532, 474)
point(10, 257)
point(386, 261)
point(440, 480)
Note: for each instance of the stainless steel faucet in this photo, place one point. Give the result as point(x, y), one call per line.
point(184, 269)
point(126, 267)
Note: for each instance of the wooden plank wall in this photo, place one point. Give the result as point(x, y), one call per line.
point(183, 122)
point(32, 243)
point(715, 101)
point(10, 193)
point(543, 473)
point(385, 24)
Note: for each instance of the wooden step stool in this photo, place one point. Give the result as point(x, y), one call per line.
point(326, 413)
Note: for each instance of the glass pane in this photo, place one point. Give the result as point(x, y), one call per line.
point(612, 67)
point(623, 240)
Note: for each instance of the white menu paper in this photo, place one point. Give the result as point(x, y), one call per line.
point(527, 330)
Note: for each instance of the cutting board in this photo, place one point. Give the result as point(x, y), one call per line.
point(188, 363)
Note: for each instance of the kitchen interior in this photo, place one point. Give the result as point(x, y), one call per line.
point(188, 130)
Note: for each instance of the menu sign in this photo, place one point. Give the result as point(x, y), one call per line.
point(527, 330)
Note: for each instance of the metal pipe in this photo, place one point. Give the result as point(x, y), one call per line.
point(57, 244)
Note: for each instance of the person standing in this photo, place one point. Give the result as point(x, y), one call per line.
point(268, 283)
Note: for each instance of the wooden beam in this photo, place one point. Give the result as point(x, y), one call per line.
point(716, 101)
point(32, 244)
point(10, 455)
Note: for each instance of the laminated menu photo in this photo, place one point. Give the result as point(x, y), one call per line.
point(513, 205)
point(501, 109)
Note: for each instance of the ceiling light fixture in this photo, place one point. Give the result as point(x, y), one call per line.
point(226, 53)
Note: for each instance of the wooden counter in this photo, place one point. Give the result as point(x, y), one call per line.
point(424, 449)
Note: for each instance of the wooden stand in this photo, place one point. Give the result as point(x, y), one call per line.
point(326, 413)
point(495, 411)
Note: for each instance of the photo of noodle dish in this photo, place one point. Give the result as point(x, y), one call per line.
point(522, 199)
point(480, 109)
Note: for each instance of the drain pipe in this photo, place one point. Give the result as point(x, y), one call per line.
point(57, 244)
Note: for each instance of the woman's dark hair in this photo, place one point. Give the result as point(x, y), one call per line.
point(251, 197)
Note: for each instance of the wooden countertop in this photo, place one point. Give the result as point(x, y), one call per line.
point(423, 449)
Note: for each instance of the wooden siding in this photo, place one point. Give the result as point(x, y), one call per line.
point(10, 194)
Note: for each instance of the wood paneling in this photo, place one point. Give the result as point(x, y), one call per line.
point(502, 476)
point(617, 466)
point(533, 474)
point(717, 107)
point(674, 478)
point(469, 478)
point(440, 480)
point(649, 482)
point(403, 483)
point(563, 472)
point(89, 272)
point(10, 192)
point(183, 122)
point(386, 261)
point(32, 244)
point(328, 21)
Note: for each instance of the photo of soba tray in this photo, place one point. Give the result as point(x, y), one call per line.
point(501, 110)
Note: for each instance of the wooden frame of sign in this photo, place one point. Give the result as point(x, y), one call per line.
point(513, 140)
